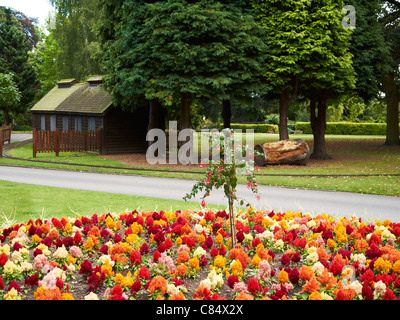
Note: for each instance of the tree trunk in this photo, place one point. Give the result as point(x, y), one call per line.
point(226, 113)
point(6, 117)
point(283, 115)
point(185, 121)
point(318, 125)
point(292, 152)
point(232, 222)
point(392, 100)
point(156, 116)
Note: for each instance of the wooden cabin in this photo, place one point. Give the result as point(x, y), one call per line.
point(75, 106)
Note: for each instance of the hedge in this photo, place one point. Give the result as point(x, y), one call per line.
point(347, 128)
point(258, 128)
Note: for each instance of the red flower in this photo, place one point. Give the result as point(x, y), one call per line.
point(213, 253)
point(144, 249)
point(136, 287)
point(300, 242)
point(3, 259)
point(366, 292)
point(296, 257)
point(253, 286)
point(156, 256)
point(389, 295)
point(144, 273)
point(33, 280)
point(285, 259)
point(232, 279)
point(240, 236)
point(368, 277)
point(135, 258)
point(59, 283)
point(294, 275)
point(14, 285)
point(373, 252)
point(86, 267)
point(162, 247)
point(168, 243)
point(341, 295)
point(209, 242)
point(1, 284)
point(222, 251)
point(117, 238)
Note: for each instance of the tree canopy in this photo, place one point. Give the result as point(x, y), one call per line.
point(14, 59)
point(203, 49)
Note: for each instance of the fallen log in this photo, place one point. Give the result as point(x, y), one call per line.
point(289, 152)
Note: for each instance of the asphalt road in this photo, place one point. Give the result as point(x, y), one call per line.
point(276, 198)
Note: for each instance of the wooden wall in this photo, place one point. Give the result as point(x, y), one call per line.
point(125, 132)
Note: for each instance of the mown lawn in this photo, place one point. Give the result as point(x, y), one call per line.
point(20, 202)
point(351, 156)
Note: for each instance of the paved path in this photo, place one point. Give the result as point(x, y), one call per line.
point(19, 137)
point(300, 200)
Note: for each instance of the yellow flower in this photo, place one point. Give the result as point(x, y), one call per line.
point(237, 268)
point(396, 266)
point(201, 239)
point(220, 261)
point(67, 296)
point(383, 265)
point(12, 295)
point(331, 244)
point(36, 239)
point(265, 223)
point(219, 238)
point(194, 263)
point(256, 260)
point(136, 228)
point(178, 241)
point(89, 244)
point(68, 228)
point(110, 223)
point(71, 260)
point(283, 276)
point(107, 269)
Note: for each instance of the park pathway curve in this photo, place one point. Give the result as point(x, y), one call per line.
point(279, 199)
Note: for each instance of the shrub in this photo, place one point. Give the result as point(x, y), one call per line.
point(347, 128)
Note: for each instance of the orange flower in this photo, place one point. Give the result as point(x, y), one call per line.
point(186, 229)
point(311, 285)
point(194, 263)
point(236, 253)
point(322, 255)
point(283, 276)
point(315, 296)
point(328, 279)
point(45, 294)
point(361, 245)
point(306, 273)
point(183, 257)
point(244, 296)
point(181, 270)
point(158, 283)
point(54, 234)
point(94, 231)
point(178, 296)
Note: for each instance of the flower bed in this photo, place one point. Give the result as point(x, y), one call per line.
point(187, 255)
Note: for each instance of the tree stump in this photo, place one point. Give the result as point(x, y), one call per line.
point(291, 152)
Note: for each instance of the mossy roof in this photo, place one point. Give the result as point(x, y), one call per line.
point(79, 98)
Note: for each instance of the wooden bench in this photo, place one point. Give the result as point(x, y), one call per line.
point(5, 136)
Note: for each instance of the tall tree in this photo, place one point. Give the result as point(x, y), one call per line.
point(44, 60)
point(14, 59)
point(75, 32)
point(328, 71)
point(9, 95)
point(196, 49)
point(285, 23)
point(390, 19)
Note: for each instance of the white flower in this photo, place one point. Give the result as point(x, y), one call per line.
point(313, 257)
point(61, 253)
point(172, 290)
point(199, 252)
point(380, 288)
point(102, 260)
point(26, 266)
point(279, 244)
point(326, 296)
point(91, 296)
point(318, 268)
point(16, 257)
